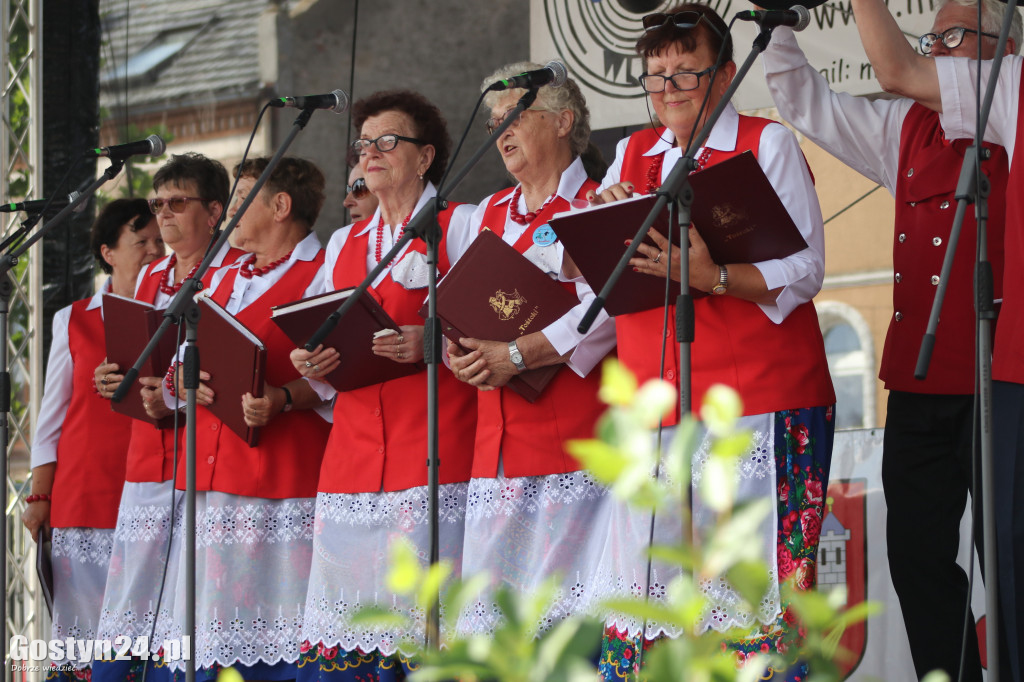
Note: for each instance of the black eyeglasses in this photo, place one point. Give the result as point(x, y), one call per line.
point(684, 80)
point(385, 143)
point(358, 189)
point(951, 38)
point(176, 204)
point(688, 19)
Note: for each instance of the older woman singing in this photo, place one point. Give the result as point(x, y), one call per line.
point(372, 489)
point(533, 513)
point(757, 332)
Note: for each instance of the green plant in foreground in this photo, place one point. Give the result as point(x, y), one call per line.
point(623, 457)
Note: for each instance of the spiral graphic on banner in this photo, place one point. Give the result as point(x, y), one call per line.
point(597, 38)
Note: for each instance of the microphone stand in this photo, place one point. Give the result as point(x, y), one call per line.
point(973, 186)
point(676, 188)
point(183, 306)
point(424, 225)
point(8, 261)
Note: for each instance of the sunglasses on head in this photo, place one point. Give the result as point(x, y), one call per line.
point(358, 189)
point(688, 19)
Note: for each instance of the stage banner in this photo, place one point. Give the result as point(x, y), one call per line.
point(852, 553)
point(596, 38)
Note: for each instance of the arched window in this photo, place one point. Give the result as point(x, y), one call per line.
point(851, 362)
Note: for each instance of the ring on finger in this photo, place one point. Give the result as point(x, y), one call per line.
point(401, 339)
point(308, 363)
point(657, 259)
point(316, 368)
point(399, 354)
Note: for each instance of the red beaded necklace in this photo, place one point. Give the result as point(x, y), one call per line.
point(513, 208)
point(248, 271)
point(654, 170)
point(379, 251)
point(165, 284)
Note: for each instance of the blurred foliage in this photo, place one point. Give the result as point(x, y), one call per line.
point(623, 457)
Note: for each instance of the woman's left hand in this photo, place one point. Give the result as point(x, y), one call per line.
point(653, 260)
point(405, 346)
point(486, 366)
point(259, 411)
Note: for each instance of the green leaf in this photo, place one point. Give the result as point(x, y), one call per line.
point(721, 409)
point(377, 617)
point(607, 463)
point(432, 580)
point(750, 580)
point(618, 384)
point(405, 568)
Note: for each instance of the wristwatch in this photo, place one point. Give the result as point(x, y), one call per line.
point(723, 281)
point(515, 356)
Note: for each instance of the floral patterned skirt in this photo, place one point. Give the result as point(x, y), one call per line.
point(801, 456)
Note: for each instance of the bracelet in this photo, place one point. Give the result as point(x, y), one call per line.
point(287, 400)
point(37, 497)
point(169, 378)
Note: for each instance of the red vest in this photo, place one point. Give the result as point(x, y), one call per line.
point(925, 205)
point(529, 437)
point(772, 366)
point(1008, 350)
point(93, 438)
point(379, 439)
point(291, 446)
point(151, 451)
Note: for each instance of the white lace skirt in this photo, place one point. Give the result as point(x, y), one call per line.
point(523, 531)
point(80, 560)
point(623, 570)
point(137, 564)
point(351, 550)
point(252, 567)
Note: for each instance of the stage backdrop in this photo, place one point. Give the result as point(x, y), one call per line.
point(595, 39)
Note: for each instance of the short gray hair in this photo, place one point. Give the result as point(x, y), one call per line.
point(992, 18)
point(568, 96)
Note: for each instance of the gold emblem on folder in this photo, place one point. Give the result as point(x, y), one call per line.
point(506, 305)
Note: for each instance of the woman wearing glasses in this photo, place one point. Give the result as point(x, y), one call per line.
point(757, 331)
point(372, 491)
point(191, 193)
point(532, 512)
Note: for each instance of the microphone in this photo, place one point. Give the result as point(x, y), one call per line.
point(30, 206)
point(796, 17)
point(336, 101)
point(554, 74)
point(151, 146)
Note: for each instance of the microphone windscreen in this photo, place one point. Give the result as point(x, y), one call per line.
point(157, 144)
point(561, 73)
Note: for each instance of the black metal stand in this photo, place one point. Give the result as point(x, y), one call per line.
point(424, 226)
point(8, 261)
point(974, 186)
point(184, 307)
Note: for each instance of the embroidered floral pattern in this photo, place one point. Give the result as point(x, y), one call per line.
point(515, 496)
point(401, 508)
point(83, 545)
point(285, 521)
point(145, 523)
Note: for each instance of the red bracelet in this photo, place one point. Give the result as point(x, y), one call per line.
point(38, 497)
point(169, 379)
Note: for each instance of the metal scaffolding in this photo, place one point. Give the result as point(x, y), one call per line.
point(21, 155)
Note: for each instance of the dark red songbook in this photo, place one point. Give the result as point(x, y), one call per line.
point(352, 338)
point(494, 293)
point(236, 359)
point(735, 210)
point(129, 325)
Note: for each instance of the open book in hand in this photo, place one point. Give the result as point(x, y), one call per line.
point(494, 293)
point(352, 337)
point(128, 326)
point(236, 359)
point(735, 209)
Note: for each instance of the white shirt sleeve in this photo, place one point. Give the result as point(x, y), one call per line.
point(56, 393)
point(801, 274)
point(958, 84)
point(862, 133)
point(614, 172)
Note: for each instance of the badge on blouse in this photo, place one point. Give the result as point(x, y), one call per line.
point(544, 236)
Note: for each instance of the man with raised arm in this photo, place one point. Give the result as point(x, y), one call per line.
point(949, 86)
